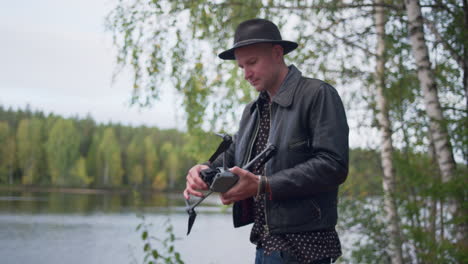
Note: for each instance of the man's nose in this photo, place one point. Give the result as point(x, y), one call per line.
point(247, 74)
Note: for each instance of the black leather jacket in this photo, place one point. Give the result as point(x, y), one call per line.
point(309, 128)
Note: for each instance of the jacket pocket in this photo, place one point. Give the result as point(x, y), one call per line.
point(295, 212)
point(301, 145)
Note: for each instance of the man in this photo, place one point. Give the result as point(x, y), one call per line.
point(292, 199)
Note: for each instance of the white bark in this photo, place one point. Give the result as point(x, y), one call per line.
point(438, 130)
point(386, 151)
point(465, 57)
point(428, 86)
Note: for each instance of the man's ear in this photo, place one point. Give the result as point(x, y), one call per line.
point(278, 52)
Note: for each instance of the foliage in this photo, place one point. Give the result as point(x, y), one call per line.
point(362, 217)
point(53, 151)
point(364, 174)
point(29, 149)
point(62, 150)
point(108, 154)
point(7, 153)
point(337, 43)
point(423, 204)
point(152, 245)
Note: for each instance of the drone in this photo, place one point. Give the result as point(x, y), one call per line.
point(221, 179)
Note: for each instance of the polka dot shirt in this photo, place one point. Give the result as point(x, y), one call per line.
point(305, 247)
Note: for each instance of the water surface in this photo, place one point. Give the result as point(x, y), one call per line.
point(44, 227)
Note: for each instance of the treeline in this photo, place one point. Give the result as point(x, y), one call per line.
point(40, 150)
point(50, 150)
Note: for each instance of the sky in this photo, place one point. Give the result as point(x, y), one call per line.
point(56, 56)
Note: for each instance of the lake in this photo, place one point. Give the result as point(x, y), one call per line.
point(56, 227)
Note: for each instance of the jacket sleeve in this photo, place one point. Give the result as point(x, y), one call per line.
point(328, 165)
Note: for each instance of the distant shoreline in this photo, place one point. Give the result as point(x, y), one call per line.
point(74, 190)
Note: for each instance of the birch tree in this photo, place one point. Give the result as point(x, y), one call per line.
point(63, 151)
point(109, 159)
point(386, 146)
point(30, 150)
point(437, 122)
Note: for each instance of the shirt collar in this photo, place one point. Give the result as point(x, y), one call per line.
point(285, 95)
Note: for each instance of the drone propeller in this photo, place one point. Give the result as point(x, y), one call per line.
point(191, 211)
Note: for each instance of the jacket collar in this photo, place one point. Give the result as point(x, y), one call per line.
point(285, 94)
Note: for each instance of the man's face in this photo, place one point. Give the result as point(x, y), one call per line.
point(260, 63)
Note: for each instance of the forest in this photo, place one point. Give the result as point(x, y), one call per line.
point(51, 151)
point(40, 150)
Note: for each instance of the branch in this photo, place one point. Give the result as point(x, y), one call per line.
point(341, 6)
point(460, 110)
point(344, 20)
point(441, 5)
point(354, 45)
point(318, 6)
point(446, 45)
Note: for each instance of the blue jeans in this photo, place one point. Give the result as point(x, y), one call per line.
point(281, 257)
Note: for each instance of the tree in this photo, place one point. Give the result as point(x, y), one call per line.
point(135, 156)
point(438, 129)
point(30, 150)
point(63, 152)
point(7, 153)
point(86, 128)
point(79, 175)
point(386, 149)
point(92, 162)
point(151, 159)
point(110, 169)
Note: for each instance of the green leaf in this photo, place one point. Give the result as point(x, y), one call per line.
point(144, 235)
point(177, 257)
point(138, 227)
point(147, 247)
point(155, 254)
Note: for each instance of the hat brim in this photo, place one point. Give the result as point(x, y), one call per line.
point(288, 46)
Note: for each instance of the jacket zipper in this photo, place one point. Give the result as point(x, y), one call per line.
point(267, 229)
point(252, 141)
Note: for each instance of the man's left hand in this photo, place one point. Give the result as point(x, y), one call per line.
point(246, 186)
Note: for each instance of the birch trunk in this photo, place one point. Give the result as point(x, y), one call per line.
point(386, 151)
point(428, 86)
point(426, 75)
point(465, 66)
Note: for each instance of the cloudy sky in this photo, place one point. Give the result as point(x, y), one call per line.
point(56, 56)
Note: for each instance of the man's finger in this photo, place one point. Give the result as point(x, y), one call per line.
point(192, 191)
point(238, 171)
point(225, 201)
point(194, 176)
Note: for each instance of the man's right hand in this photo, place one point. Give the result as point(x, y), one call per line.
point(194, 183)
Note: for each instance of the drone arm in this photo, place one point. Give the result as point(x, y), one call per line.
point(228, 156)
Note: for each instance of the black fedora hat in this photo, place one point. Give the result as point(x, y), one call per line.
point(257, 31)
